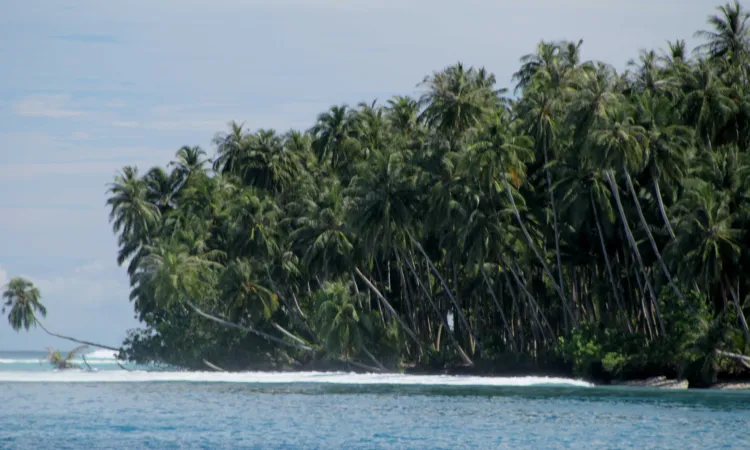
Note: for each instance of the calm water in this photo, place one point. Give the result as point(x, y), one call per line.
point(113, 409)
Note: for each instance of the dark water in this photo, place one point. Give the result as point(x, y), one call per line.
point(221, 415)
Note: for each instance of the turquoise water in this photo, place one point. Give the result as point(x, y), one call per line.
point(114, 409)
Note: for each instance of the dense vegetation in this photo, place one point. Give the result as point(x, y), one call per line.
point(598, 221)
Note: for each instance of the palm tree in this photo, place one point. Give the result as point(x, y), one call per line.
point(669, 142)
point(22, 299)
point(707, 104)
point(60, 362)
point(175, 277)
point(457, 99)
point(345, 330)
point(319, 233)
point(189, 162)
point(333, 142)
point(161, 188)
point(730, 37)
point(243, 295)
point(132, 215)
point(267, 163)
point(229, 147)
point(403, 113)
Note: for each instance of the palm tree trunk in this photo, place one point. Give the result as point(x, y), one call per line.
point(615, 291)
point(561, 281)
point(530, 241)
point(389, 308)
point(738, 307)
point(536, 311)
point(629, 235)
point(497, 303)
point(77, 341)
point(374, 359)
point(266, 336)
point(517, 308)
point(662, 209)
point(459, 311)
point(648, 233)
point(464, 357)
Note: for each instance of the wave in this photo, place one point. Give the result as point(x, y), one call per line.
point(101, 354)
point(41, 359)
point(342, 378)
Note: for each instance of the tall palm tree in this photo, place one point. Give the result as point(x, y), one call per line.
point(132, 215)
point(456, 99)
point(333, 142)
point(229, 147)
point(730, 37)
point(189, 161)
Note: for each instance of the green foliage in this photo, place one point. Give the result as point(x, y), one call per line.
point(600, 217)
point(22, 301)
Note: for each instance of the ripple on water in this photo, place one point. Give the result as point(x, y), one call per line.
point(218, 415)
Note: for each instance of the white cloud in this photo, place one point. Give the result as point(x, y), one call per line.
point(55, 106)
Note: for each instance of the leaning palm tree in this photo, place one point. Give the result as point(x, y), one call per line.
point(23, 301)
point(61, 362)
point(175, 277)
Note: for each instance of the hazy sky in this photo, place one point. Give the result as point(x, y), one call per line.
point(88, 86)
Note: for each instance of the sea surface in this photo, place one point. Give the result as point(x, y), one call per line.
point(111, 408)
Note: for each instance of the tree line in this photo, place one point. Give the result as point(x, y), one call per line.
point(593, 219)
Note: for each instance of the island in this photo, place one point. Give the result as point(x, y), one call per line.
point(590, 223)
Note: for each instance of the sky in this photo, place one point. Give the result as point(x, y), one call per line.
point(89, 86)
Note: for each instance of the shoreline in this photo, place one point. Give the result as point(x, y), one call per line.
point(522, 370)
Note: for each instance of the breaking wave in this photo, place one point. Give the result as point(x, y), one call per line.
point(341, 378)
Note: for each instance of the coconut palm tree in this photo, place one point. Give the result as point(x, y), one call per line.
point(456, 100)
point(60, 362)
point(133, 216)
point(333, 142)
point(189, 162)
point(229, 148)
point(345, 329)
point(23, 300)
point(730, 37)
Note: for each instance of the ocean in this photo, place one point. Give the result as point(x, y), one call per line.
point(110, 408)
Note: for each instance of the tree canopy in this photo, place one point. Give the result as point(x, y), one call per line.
point(598, 219)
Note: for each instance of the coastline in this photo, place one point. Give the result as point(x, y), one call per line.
point(513, 370)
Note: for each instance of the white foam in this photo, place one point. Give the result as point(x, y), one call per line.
point(41, 359)
point(281, 377)
point(102, 354)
